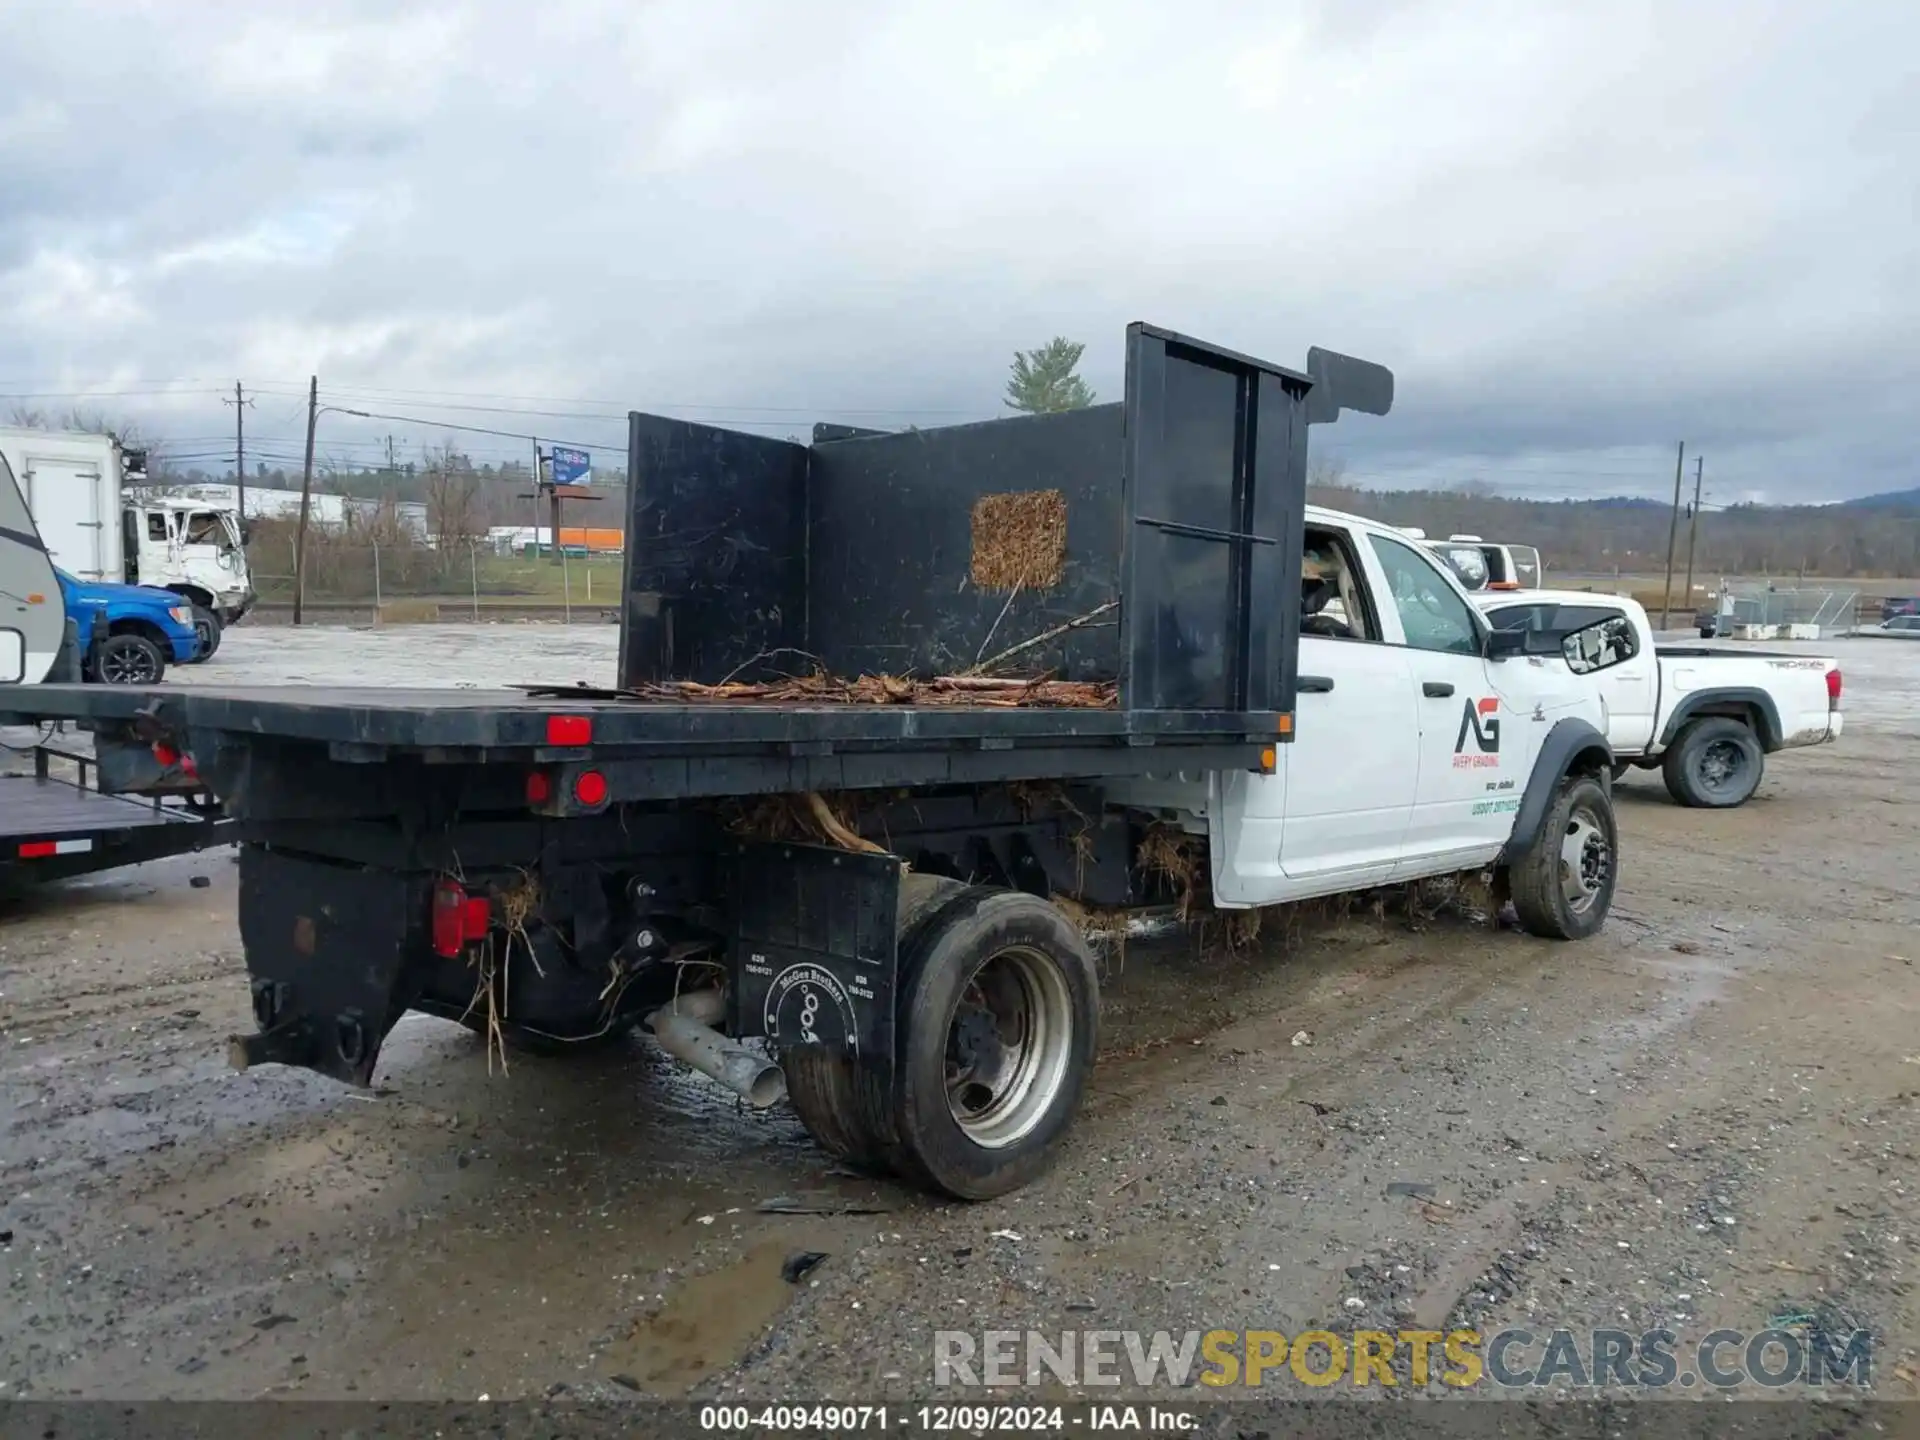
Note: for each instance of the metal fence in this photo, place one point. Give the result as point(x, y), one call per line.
point(1757, 603)
point(395, 580)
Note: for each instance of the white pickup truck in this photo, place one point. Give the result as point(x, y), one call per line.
point(1706, 718)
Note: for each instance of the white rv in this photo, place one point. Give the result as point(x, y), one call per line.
point(33, 617)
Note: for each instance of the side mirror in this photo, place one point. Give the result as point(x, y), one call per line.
point(1597, 646)
point(1505, 644)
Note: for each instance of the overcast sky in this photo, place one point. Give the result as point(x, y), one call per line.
point(1578, 233)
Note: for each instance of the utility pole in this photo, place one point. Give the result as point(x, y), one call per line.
point(1693, 528)
point(306, 500)
point(1673, 535)
point(240, 403)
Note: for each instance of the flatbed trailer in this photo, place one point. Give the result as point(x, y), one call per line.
point(54, 828)
point(848, 904)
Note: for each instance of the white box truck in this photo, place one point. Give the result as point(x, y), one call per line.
point(87, 495)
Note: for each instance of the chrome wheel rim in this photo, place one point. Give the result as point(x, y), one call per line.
point(1008, 1046)
point(1586, 860)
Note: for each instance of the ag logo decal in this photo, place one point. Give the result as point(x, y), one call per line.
point(1480, 719)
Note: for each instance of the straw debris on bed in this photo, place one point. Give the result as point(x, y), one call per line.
point(950, 691)
point(1019, 540)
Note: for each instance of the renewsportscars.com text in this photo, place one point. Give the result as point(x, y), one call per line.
point(1513, 1359)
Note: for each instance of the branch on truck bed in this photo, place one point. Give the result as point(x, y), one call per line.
point(1043, 637)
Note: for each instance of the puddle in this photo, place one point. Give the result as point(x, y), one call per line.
point(706, 1324)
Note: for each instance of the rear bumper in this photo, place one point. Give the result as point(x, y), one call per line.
point(1836, 723)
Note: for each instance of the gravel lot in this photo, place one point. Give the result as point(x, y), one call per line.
point(1707, 1117)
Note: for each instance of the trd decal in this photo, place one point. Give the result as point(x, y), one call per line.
point(1481, 720)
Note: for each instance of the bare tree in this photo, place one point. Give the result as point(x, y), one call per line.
point(454, 518)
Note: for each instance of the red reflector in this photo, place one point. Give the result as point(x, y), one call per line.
point(590, 788)
point(458, 917)
point(539, 788)
point(569, 730)
point(1833, 688)
point(449, 918)
point(39, 849)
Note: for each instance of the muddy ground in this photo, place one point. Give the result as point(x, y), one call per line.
point(1707, 1117)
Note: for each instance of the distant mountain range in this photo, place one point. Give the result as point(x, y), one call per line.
point(1892, 500)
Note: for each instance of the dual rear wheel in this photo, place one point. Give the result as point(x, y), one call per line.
point(996, 1024)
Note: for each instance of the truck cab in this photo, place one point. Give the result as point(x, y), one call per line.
point(195, 551)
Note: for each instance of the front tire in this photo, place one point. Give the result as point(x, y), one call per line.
point(1715, 764)
point(206, 624)
point(129, 660)
point(1563, 884)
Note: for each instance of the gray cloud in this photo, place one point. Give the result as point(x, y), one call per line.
point(1578, 233)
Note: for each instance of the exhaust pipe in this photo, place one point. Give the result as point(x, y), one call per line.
point(684, 1029)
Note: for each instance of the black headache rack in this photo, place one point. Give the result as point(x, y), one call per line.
point(1155, 542)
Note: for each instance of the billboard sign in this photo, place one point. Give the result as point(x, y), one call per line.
point(571, 467)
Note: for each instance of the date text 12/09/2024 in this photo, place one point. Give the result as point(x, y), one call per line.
point(938, 1419)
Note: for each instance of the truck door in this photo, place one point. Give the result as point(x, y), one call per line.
point(1475, 748)
point(1351, 770)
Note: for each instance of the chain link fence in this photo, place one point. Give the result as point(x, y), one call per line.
point(397, 579)
point(1831, 608)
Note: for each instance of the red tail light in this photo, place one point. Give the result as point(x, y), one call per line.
point(569, 730)
point(1833, 688)
point(458, 918)
point(590, 788)
point(539, 789)
point(170, 757)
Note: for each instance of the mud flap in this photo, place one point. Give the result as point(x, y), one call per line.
point(328, 951)
point(814, 956)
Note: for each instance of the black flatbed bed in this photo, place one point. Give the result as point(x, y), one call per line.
point(680, 751)
point(516, 720)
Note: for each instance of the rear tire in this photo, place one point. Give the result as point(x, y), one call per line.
point(207, 625)
point(129, 660)
point(1563, 884)
point(1715, 764)
point(996, 1024)
point(999, 1019)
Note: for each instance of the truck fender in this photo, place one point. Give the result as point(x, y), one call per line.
point(1570, 745)
point(1717, 701)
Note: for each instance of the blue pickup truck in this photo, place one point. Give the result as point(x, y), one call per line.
point(128, 634)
